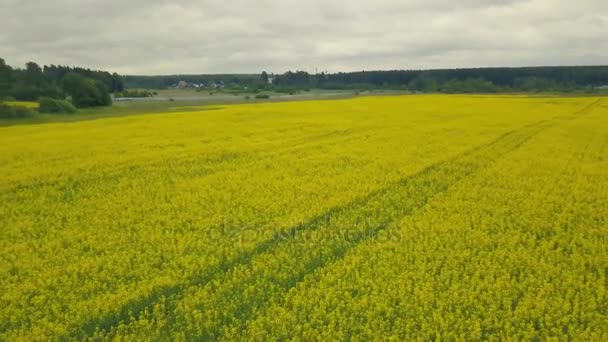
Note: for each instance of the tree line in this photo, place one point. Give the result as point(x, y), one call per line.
point(484, 80)
point(85, 87)
point(526, 79)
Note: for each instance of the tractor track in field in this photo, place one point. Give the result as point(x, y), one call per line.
point(390, 205)
point(588, 108)
point(365, 219)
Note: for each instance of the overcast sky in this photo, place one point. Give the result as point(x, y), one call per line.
point(240, 36)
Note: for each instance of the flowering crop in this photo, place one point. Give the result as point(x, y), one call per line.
point(413, 217)
point(26, 104)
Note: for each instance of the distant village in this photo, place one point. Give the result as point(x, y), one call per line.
point(213, 85)
point(187, 85)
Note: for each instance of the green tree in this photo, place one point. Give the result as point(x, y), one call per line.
point(424, 83)
point(117, 83)
point(264, 77)
point(33, 75)
point(86, 92)
point(5, 79)
point(49, 105)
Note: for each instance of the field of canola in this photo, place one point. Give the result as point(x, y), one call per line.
point(26, 104)
point(377, 218)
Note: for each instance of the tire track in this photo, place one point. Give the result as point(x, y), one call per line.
point(357, 224)
point(588, 108)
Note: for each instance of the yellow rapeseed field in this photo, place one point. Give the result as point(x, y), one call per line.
point(26, 104)
point(377, 218)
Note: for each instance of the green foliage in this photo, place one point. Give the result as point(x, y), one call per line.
point(503, 79)
point(134, 93)
point(424, 83)
point(113, 82)
point(455, 80)
point(25, 92)
point(262, 96)
point(33, 82)
point(473, 85)
point(536, 84)
point(49, 105)
point(264, 77)
point(86, 92)
point(15, 112)
point(33, 75)
point(5, 79)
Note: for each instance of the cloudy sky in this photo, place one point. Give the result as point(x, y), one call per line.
point(216, 36)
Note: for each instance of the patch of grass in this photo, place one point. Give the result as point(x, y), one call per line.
point(25, 104)
point(53, 106)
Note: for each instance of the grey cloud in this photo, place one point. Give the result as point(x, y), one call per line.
point(212, 36)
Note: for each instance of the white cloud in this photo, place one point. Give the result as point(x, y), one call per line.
point(213, 36)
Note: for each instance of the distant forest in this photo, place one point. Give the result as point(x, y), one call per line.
point(91, 87)
point(86, 87)
point(484, 80)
